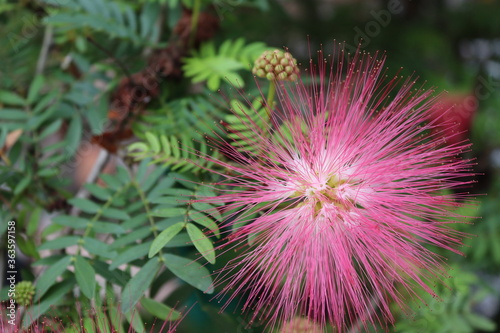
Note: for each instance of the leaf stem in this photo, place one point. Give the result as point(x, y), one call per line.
point(148, 212)
point(146, 207)
point(97, 215)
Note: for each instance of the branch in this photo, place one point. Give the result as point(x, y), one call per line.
point(42, 58)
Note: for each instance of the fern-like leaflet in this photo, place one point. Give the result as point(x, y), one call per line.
point(212, 65)
point(167, 136)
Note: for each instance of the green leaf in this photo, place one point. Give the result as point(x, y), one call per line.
point(139, 283)
point(10, 98)
point(34, 89)
point(35, 121)
point(201, 242)
point(190, 271)
point(133, 208)
point(49, 276)
point(59, 243)
point(152, 178)
point(114, 276)
point(130, 254)
point(27, 246)
point(178, 192)
point(52, 161)
point(114, 213)
point(111, 181)
point(123, 175)
point(213, 67)
point(48, 261)
point(85, 205)
point(98, 248)
point(51, 129)
point(185, 180)
point(108, 228)
point(98, 191)
point(85, 276)
point(164, 237)
point(166, 145)
point(13, 114)
point(23, 184)
point(142, 168)
point(73, 135)
point(130, 237)
point(162, 185)
point(205, 221)
point(149, 14)
point(153, 141)
point(45, 102)
point(71, 221)
point(174, 201)
point(47, 173)
point(135, 148)
point(169, 212)
point(33, 221)
point(242, 119)
point(160, 310)
point(181, 240)
point(135, 221)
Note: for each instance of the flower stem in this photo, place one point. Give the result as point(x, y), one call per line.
point(194, 21)
point(270, 98)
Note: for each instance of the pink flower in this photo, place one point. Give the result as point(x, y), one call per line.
point(347, 185)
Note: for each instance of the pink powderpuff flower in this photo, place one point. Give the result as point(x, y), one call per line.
point(332, 214)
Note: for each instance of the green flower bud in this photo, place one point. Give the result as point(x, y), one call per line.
point(270, 76)
point(276, 65)
point(24, 293)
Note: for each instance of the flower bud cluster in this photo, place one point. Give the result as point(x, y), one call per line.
point(276, 65)
point(24, 293)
